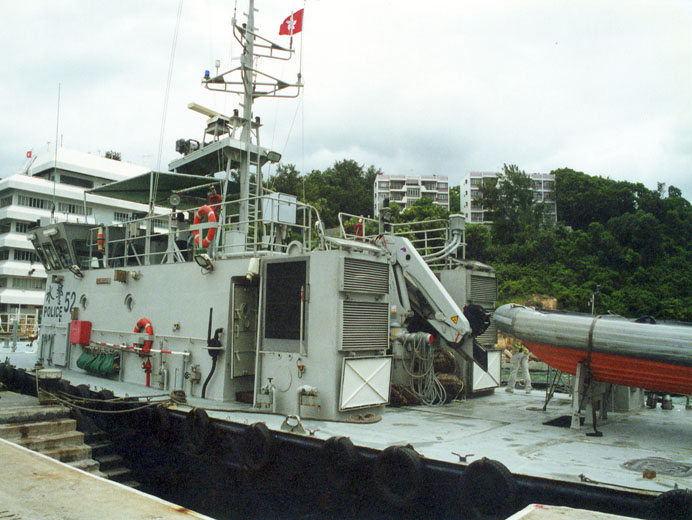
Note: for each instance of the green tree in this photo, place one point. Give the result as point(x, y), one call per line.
point(509, 200)
point(286, 180)
point(423, 209)
point(345, 186)
point(636, 243)
point(640, 232)
point(479, 243)
point(455, 199)
point(582, 199)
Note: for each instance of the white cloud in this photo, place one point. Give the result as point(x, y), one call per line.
point(443, 87)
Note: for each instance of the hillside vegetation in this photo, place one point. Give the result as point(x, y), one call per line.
point(633, 243)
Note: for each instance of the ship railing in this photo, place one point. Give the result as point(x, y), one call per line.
point(431, 238)
point(274, 225)
point(22, 324)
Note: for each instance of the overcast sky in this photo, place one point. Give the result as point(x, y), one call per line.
point(449, 87)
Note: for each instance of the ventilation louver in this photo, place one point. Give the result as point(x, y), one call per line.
point(365, 325)
point(483, 289)
point(364, 276)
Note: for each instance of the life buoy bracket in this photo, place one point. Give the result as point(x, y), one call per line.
point(144, 324)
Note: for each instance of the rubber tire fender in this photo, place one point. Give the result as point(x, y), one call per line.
point(489, 488)
point(258, 446)
point(11, 374)
point(18, 376)
point(675, 504)
point(63, 386)
point(160, 423)
point(4, 373)
point(105, 395)
point(84, 392)
point(198, 429)
point(25, 383)
point(398, 475)
point(104, 420)
point(340, 460)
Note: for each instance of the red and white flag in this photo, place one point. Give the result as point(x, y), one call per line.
point(28, 154)
point(293, 24)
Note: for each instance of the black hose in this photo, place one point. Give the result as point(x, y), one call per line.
point(211, 373)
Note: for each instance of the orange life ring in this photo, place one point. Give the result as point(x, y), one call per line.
point(145, 325)
point(211, 217)
point(99, 240)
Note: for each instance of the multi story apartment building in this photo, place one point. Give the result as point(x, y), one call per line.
point(406, 189)
point(542, 186)
point(49, 187)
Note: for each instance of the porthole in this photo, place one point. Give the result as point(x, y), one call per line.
point(129, 302)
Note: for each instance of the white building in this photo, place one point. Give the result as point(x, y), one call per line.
point(406, 189)
point(30, 196)
point(542, 186)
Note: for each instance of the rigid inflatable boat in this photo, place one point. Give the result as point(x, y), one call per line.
point(636, 353)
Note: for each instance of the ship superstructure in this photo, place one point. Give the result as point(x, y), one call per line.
point(239, 293)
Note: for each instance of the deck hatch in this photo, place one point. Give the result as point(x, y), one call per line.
point(660, 465)
point(365, 382)
point(365, 325)
point(365, 276)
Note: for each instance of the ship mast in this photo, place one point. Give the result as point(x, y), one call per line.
point(251, 83)
point(246, 69)
point(242, 153)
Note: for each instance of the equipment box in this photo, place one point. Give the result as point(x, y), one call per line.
point(80, 332)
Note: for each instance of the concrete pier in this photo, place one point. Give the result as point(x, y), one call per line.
point(33, 485)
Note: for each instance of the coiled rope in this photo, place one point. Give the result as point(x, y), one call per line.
point(421, 368)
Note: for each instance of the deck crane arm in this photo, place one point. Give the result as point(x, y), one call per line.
point(420, 290)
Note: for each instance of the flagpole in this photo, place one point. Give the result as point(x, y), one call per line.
point(300, 61)
point(55, 159)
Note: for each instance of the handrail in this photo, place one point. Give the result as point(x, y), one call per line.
point(432, 238)
point(157, 239)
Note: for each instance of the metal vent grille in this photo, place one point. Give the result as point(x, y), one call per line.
point(483, 289)
point(364, 276)
point(365, 325)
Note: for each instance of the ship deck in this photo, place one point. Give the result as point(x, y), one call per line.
point(506, 427)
